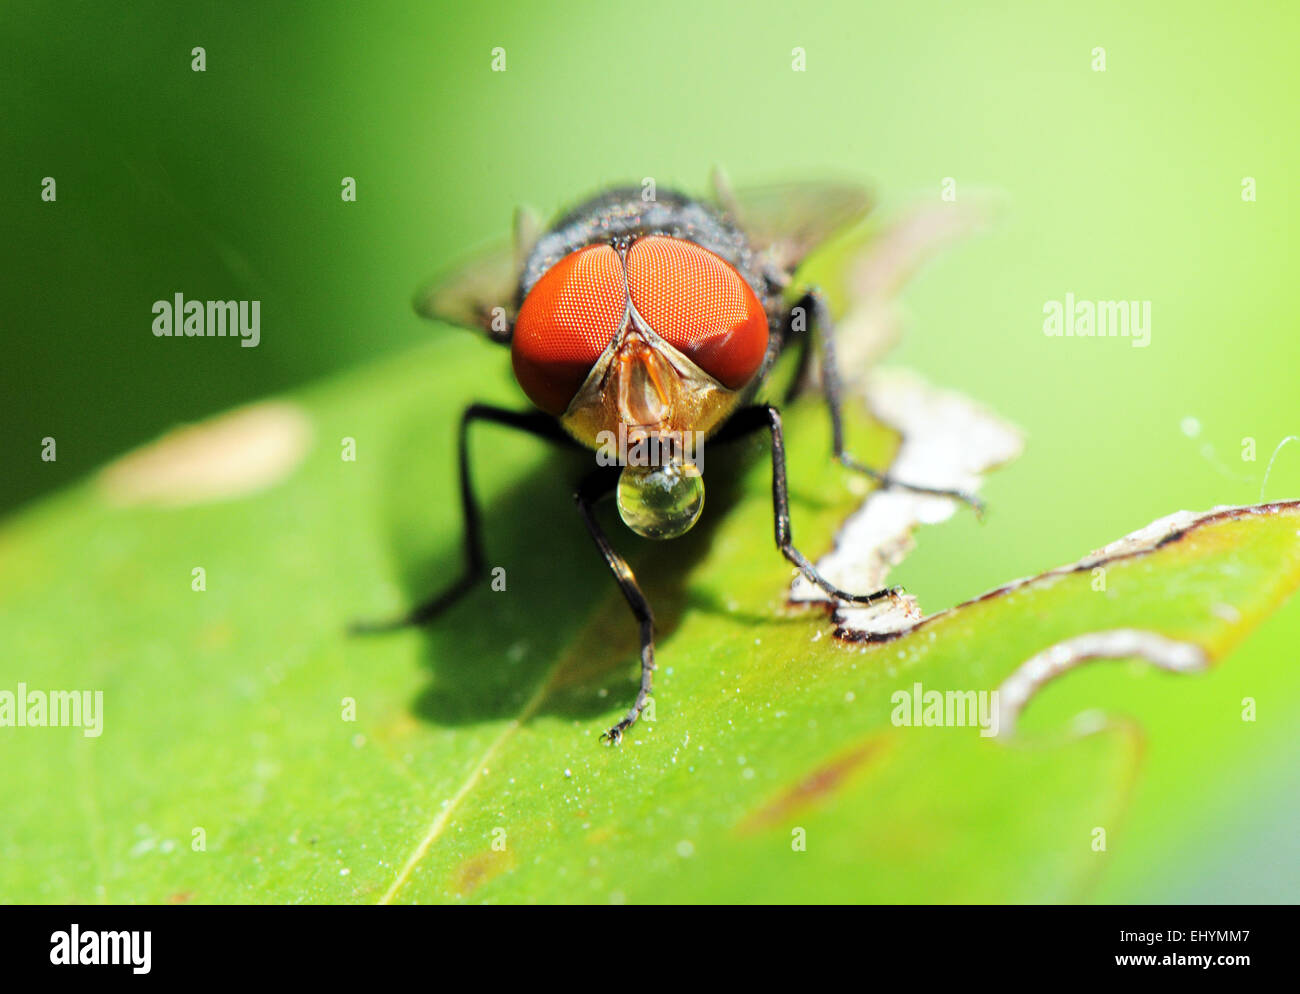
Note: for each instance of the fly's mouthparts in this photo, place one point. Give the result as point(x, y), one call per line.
point(642, 383)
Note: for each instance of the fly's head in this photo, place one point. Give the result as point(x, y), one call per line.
point(641, 349)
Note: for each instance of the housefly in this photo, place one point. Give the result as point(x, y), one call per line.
point(642, 324)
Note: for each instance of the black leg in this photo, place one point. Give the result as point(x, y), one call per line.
point(792, 333)
point(751, 419)
point(597, 485)
point(534, 423)
point(814, 304)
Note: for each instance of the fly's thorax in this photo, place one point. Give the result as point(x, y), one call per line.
point(623, 214)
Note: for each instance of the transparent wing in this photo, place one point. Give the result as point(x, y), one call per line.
point(789, 220)
point(478, 293)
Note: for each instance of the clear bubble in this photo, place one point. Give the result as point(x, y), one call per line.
point(661, 502)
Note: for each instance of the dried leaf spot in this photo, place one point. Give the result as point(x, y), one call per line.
point(232, 455)
point(817, 787)
point(477, 870)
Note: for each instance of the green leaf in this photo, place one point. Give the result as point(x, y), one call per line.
point(224, 710)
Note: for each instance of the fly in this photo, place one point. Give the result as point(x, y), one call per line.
point(653, 324)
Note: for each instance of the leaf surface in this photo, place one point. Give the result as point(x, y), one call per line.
point(772, 769)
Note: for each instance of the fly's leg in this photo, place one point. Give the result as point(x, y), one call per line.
point(475, 568)
point(592, 489)
point(814, 303)
point(800, 328)
point(756, 418)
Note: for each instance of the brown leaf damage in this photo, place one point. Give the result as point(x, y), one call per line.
point(818, 786)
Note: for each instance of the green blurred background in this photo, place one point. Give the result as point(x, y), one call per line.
point(1122, 184)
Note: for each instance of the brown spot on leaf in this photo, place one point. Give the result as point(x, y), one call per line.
point(477, 870)
point(817, 787)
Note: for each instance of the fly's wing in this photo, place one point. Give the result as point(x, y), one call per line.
point(479, 293)
point(789, 220)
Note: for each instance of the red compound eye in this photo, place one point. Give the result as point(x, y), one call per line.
point(566, 321)
point(700, 305)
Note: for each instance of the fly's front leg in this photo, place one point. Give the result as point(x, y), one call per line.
point(756, 418)
point(593, 488)
point(475, 567)
point(815, 304)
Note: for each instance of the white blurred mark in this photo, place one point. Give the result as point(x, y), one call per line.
point(1272, 459)
point(1120, 643)
point(872, 314)
point(948, 441)
point(237, 453)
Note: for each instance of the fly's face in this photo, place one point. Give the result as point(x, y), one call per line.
point(645, 343)
point(643, 326)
